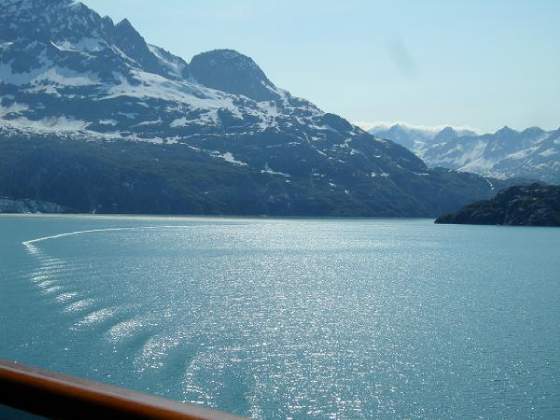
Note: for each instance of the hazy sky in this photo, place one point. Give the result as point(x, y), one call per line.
point(477, 63)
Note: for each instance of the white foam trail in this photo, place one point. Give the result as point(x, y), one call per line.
point(52, 290)
point(79, 305)
point(205, 365)
point(96, 317)
point(65, 297)
point(46, 284)
point(29, 244)
point(125, 329)
point(33, 249)
point(51, 262)
point(50, 267)
point(155, 351)
point(48, 271)
point(39, 278)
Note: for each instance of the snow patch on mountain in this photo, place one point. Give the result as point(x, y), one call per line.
point(84, 45)
point(267, 170)
point(176, 65)
point(12, 109)
point(228, 157)
point(51, 125)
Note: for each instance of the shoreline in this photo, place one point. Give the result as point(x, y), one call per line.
point(204, 217)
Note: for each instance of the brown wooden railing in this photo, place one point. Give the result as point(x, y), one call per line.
point(43, 393)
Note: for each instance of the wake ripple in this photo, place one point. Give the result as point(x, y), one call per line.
point(52, 277)
point(96, 317)
point(133, 333)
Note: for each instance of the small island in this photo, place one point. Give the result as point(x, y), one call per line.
point(530, 205)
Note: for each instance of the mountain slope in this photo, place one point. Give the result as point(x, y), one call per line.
point(8, 205)
point(532, 153)
point(94, 118)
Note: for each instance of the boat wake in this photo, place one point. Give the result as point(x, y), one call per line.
point(156, 337)
point(52, 276)
point(32, 248)
point(56, 280)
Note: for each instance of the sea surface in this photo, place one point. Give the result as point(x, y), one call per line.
point(292, 318)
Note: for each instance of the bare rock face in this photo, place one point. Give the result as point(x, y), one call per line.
point(232, 72)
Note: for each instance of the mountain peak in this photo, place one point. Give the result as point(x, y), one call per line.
point(447, 133)
point(506, 131)
point(47, 20)
point(448, 130)
point(125, 26)
point(134, 46)
point(125, 22)
point(533, 131)
point(233, 72)
point(128, 37)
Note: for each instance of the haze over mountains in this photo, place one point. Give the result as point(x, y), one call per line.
point(532, 153)
point(95, 119)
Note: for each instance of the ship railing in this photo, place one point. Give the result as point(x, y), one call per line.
point(53, 395)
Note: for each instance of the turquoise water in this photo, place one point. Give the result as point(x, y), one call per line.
point(291, 318)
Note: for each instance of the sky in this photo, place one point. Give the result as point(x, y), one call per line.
point(481, 64)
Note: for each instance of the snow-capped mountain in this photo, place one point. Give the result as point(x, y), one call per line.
point(68, 69)
point(532, 153)
point(94, 118)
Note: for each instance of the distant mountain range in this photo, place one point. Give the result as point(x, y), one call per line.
point(95, 119)
point(532, 153)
